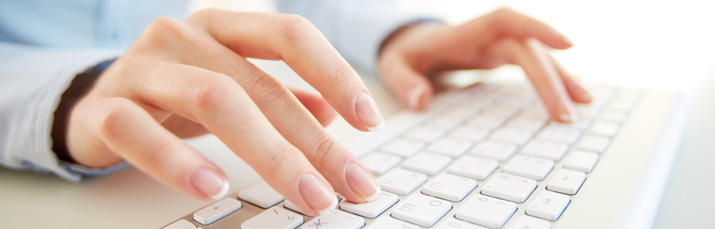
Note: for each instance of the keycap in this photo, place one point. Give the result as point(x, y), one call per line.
point(450, 147)
point(513, 135)
point(613, 115)
point(371, 209)
point(449, 187)
point(447, 121)
point(495, 150)
point(509, 187)
point(488, 120)
point(426, 133)
point(473, 167)
point(403, 147)
point(528, 122)
point(581, 161)
point(548, 205)
point(593, 143)
point(604, 128)
point(578, 124)
point(473, 133)
point(486, 211)
point(390, 223)
point(401, 182)
point(567, 181)
point(526, 222)
point(215, 211)
point(421, 210)
point(274, 218)
point(529, 167)
point(559, 133)
point(427, 163)
point(181, 224)
point(380, 163)
point(452, 223)
point(290, 205)
point(545, 149)
point(261, 194)
point(336, 219)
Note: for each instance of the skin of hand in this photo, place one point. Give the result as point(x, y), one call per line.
point(501, 37)
point(184, 79)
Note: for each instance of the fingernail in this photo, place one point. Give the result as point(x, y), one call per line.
point(566, 39)
point(415, 95)
point(564, 110)
point(368, 113)
point(317, 195)
point(362, 182)
point(210, 183)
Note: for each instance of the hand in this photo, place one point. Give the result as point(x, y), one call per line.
point(502, 37)
point(183, 79)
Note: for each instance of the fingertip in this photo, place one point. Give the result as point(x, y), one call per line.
point(210, 183)
point(419, 96)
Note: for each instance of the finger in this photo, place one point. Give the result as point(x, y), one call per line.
point(299, 44)
point(318, 107)
point(224, 108)
point(410, 86)
point(532, 57)
point(132, 133)
point(184, 128)
point(291, 119)
point(512, 23)
point(576, 91)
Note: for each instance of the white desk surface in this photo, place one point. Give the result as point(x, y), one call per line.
point(652, 45)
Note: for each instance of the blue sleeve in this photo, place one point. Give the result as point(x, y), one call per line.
point(32, 81)
point(356, 28)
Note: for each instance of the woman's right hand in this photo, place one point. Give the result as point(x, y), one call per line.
point(183, 79)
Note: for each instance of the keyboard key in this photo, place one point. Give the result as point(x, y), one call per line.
point(261, 194)
point(427, 163)
point(494, 150)
point(488, 120)
point(528, 122)
point(274, 218)
point(473, 167)
point(447, 121)
point(403, 147)
point(181, 224)
point(387, 222)
point(604, 128)
point(380, 163)
point(215, 211)
point(486, 211)
point(449, 187)
point(421, 210)
point(513, 135)
point(289, 205)
point(509, 187)
point(548, 205)
point(401, 182)
point(593, 143)
point(567, 181)
point(526, 222)
point(474, 134)
point(450, 147)
point(529, 167)
point(578, 124)
point(613, 115)
point(581, 161)
point(336, 219)
point(371, 209)
point(559, 133)
point(426, 133)
point(545, 149)
point(452, 223)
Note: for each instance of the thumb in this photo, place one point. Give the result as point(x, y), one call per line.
point(410, 86)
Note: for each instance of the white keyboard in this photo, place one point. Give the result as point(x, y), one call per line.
point(489, 159)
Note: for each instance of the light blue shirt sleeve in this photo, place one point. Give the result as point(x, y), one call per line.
point(45, 44)
point(356, 28)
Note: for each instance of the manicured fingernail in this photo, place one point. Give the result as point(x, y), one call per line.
point(210, 183)
point(362, 182)
point(317, 195)
point(566, 40)
point(368, 113)
point(415, 95)
point(564, 110)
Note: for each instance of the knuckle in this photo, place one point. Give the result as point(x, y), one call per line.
point(204, 13)
point(341, 72)
point(113, 117)
point(166, 31)
point(267, 91)
point(211, 93)
point(295, 28)
point(324, 149)
point(281, 153)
